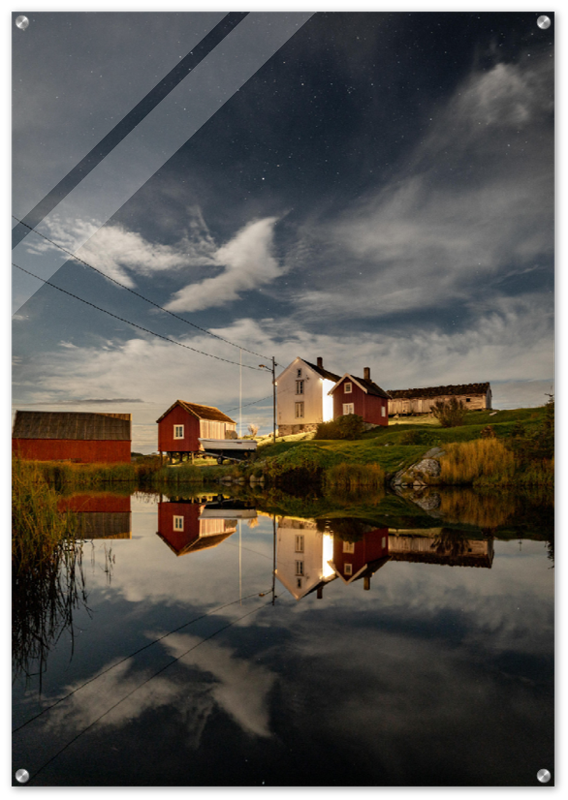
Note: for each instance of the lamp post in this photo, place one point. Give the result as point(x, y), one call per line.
point(273, 370)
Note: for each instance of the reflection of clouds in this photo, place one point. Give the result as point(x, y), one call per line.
point(241, 687)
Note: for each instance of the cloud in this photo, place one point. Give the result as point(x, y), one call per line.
point(248, 263)
point(472, 203)
point(120, 253)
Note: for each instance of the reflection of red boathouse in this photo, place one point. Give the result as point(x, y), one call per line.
point(100, 515)
point(180, 527)
point(356, 560)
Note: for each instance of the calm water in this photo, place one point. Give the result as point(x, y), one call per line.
point(386, 650)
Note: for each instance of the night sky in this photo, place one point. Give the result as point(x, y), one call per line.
point(379, 193)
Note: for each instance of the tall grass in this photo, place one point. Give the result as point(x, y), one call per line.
point(47, 579)
point(37, 524)
point(485, 462)
point(354, 476)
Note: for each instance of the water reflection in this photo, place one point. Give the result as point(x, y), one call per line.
point(406, 642)
point(100, 515)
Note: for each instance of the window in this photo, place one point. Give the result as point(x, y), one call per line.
point(178, 523)
point(348, 408)
point(299, 410)
point(299, 583)
point(348, 569)
point(299, 544)
point(178, 431)
point(383, 411)
point(299, 567)
point(348, 547)
point(348, 388)
point(299, 387)
point(384, 541)
point(468, 399)
point(298, 373)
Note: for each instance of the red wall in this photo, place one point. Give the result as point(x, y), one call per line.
point(166, 441)
point(190, 513)
point(95, 502)
point(73, 450)
point(367, 406)
point(368, 549)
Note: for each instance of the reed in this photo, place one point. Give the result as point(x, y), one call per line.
point(488, 462)
point(481, 460)
point(354, 476)
point(37, 524)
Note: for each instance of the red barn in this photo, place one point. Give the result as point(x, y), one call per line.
point(352, 395)
point(183, 424)
point(180, 527)
point(72, 436)
point(355, 560)
point(100, 515)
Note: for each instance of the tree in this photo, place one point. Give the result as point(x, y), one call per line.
point(450, 414)
point(253, 429)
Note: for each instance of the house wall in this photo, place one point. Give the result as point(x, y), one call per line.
point(371, 547)
point(190, 512)
point(317, 551)
point(189, 443)
point(422, 405)
point(91, 451)
point(366, 405)
point(287, 398)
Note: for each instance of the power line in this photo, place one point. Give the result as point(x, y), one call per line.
point(131, 655)
point(137, 294)
point(134, 324)
point(133, 691)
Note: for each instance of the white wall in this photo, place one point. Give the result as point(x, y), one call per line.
point(314, 387)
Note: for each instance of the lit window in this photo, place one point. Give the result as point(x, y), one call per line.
point(348, 569)
point(348, 388)
point(178, 523)
point(299, 567)
point(299, 544)
point(348, 547)
point(299, 410)
point(348, 408)
point(299, 387)
point(178, 431)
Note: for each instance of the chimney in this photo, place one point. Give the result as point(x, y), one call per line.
point(367, 582)
point(320, 362)
point(367, 373)
point(320, 592)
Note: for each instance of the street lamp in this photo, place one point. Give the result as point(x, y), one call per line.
point(273, 370)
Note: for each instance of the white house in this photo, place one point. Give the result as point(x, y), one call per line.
point(304, 553)
point(302, 396)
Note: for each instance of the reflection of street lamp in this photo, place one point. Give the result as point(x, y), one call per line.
point(273, 370)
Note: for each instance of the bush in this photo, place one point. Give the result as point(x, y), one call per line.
point(349, 426)
point(450, 414)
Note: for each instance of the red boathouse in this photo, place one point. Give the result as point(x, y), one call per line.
point(72, 436)
point(183, 424)
point(352, 395)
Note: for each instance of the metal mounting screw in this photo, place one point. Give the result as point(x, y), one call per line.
point(543, 775)
point(22, 22)
point(544, 22)
point(22, 776)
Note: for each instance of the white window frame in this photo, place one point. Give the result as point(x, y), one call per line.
point(384, 541)
point(176, 429)
point(348, 547)
point(383, 411)
point(177, 523)
point(299, 387)
point(299, 543)
point(348, 408)
point(348, 569)
point(299, 410)
point(300, 569)
point(348, 387)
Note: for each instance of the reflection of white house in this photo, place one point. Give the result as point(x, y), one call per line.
point(303, 554)
point(302, 392)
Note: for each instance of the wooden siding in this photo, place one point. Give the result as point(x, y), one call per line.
point(179, 416)
point(474, 396)
point(89, 452)
point(194, 429)
point(196, 534)
point(365, 405)
point(373, 546)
